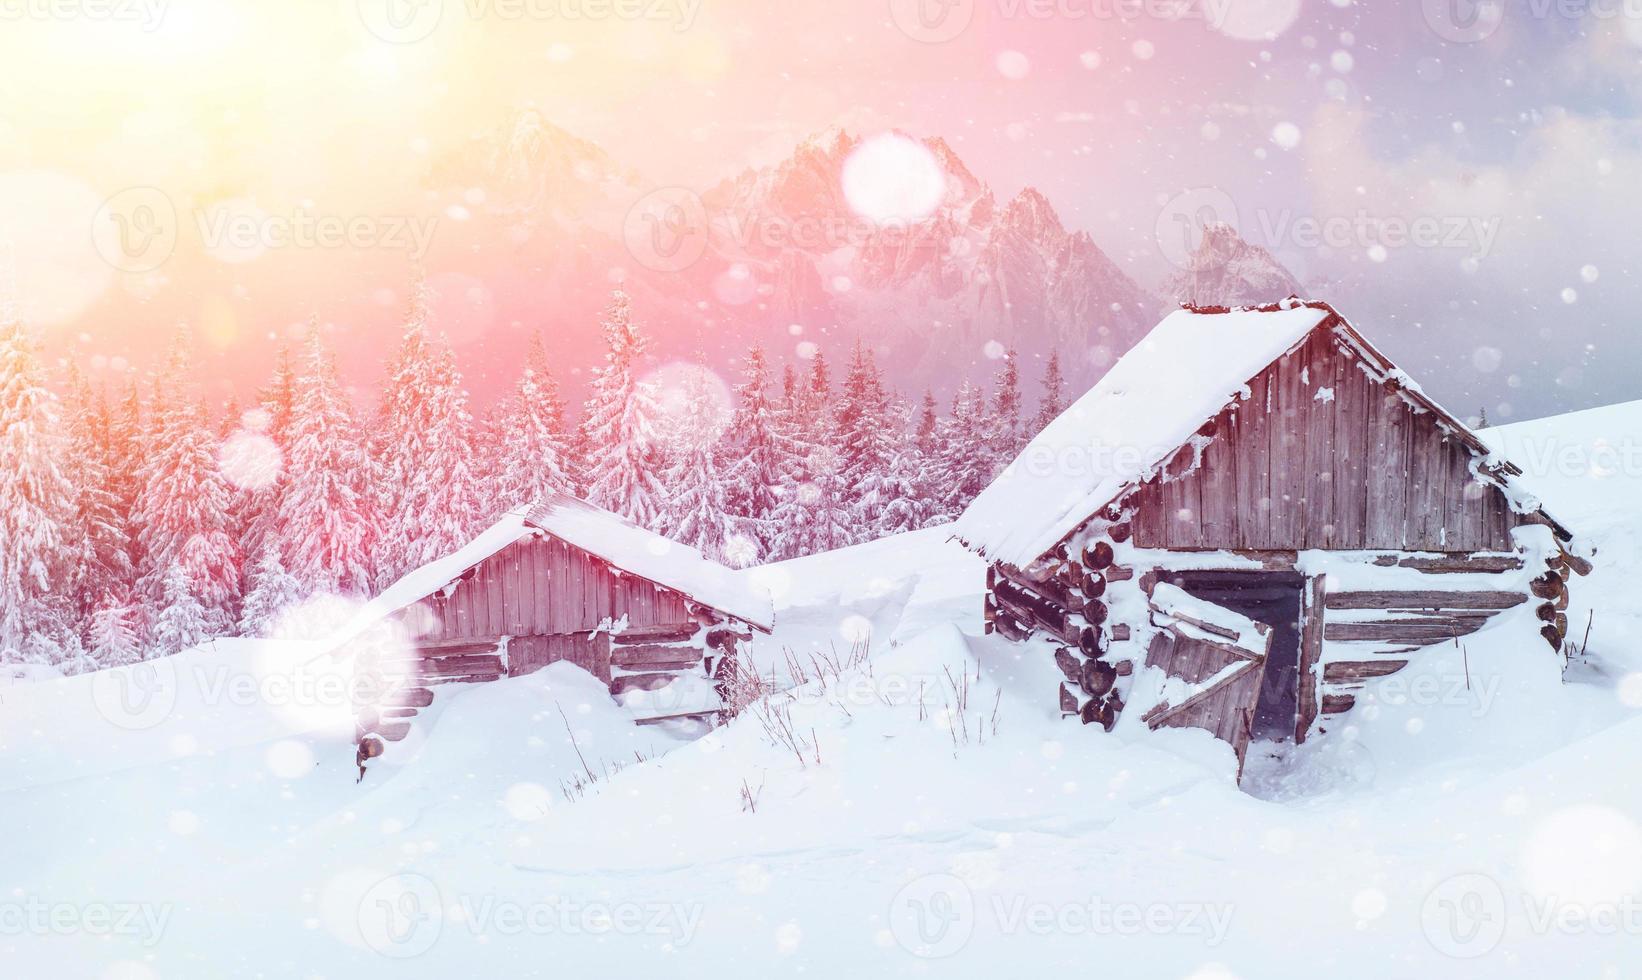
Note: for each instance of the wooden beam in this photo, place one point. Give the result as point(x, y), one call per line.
point(1311, 651)
point(663, 633)
point(1402, 630)
point(1048, 588)
point(1345, 671)
point(1453, 563)
point(1489, 600)
point(654, 656)
point(1336, 704)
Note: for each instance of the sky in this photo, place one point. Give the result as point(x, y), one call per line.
point(1458, 177)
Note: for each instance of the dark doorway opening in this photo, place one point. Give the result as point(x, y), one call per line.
point(1273, 598)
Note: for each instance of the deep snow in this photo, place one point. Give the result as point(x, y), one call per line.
point(919, 812)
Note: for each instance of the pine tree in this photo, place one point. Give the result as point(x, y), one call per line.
point(752, 447)
point(274, 591)
point(111, 634)
point(100, 530)
point(427, 494)
point(126, 455)
point(967, 458)
point(906, 485)
point(36, 505)
point(813, 515)
point(865, 442)
point(258, 508)
point(326, 525)
point(1050, 407)
point(532, 452)
point(695, 509)
point(1006, 408)
point(183, 505)
point(620, 423)
point(928, 421)
point(183, 621)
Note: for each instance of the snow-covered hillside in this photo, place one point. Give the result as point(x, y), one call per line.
point(919, 810)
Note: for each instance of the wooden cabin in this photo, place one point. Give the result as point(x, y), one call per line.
point(1253, 515)
point(561, 580)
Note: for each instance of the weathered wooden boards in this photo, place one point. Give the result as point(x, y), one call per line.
point(540, 586)
point(1322, 455)
point(1227, 681)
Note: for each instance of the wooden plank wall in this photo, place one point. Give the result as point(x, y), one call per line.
point(589, 652)
point(1287, 471)
point(543, 587)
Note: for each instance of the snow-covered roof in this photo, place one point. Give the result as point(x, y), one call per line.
point(1151, 401)
point(648, 555)
point(598, 532)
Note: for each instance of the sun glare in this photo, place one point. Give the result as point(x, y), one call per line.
point(891, 179)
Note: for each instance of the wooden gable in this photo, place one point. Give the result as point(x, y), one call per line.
point(1323, 455)
point(541, 586)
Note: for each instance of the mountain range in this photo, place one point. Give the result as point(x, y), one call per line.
point(776, 254)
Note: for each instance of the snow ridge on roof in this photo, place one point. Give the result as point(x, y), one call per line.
point(1149, 404)
point(648, 555)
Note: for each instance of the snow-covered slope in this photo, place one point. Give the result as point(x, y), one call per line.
point(920, 811)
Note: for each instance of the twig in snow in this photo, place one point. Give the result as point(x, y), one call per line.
point(589, 769)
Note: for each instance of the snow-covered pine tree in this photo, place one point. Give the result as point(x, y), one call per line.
point(111, 634)
point(426, 493)
point(754, 453)
point(532, 455)
point(695, 511)
point(325, 521)
point(907, 484)
point(1050, 406)
point(1006, 409)
point(813, 515)
point(789, 387)
point(273, 591)
point(183, 505)
point(36, 506)
point(258, 508)
point(865, 443)
point(183, 621)
point(99, 531)
point(619, 425)
point(126, 454)
point(929, 418)
point(967, 458)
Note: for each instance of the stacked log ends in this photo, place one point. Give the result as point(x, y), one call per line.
point(1097, 678)
point(1100, 556)
point(1552, 637)
point(1548, 586)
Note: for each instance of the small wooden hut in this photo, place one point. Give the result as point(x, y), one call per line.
point(561, 580)
point(1252, 515)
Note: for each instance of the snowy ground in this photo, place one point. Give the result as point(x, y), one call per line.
point(921, 812)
